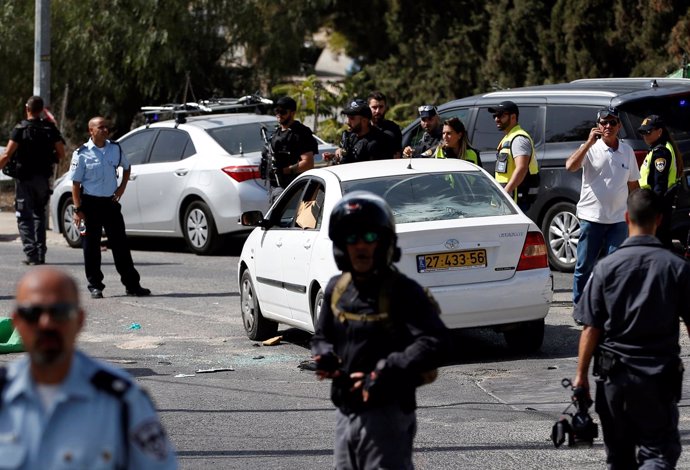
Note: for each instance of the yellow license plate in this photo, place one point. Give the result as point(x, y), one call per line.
point(451, 260)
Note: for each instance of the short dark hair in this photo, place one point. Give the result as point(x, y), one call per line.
point(34, 104)
point(376, 95)
point(644, 206)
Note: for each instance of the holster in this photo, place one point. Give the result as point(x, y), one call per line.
point(605, 362)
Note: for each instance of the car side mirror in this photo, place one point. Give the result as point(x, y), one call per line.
point(253, 219)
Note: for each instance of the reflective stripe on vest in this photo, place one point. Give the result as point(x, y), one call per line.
point(470, 155)
point(504, 147)
point(672, 171)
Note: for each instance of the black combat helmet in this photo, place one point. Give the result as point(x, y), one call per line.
point(359, 212)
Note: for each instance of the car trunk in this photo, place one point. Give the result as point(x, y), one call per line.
point(441, 254)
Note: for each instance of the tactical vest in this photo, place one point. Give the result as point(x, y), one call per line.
point(36, 150)
point(470, 155)
point(672, 171)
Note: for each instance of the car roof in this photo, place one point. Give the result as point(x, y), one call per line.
point(615, 91)
point(209, 121)
point(383, 168)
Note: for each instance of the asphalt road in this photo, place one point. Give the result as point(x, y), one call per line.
point(489, 410)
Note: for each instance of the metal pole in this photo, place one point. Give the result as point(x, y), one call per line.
point(42, 51)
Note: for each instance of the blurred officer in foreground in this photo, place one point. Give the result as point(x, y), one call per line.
point(661, 170)
point(379, 336)
point(630, 316)
point(96, 197)
point(34, 147)
point(363, 141)
point(59, 407)
point(431, 123)
point(379, 107)
point(293, 145)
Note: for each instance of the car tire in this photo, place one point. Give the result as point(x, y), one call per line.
point(67, 227)
point(199, 229)
point(255, 325)
point(525, 337)
point(561, 229)
point(316, 306)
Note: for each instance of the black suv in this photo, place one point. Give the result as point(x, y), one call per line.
point(559, 118)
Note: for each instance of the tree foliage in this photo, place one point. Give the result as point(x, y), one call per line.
point(111, 57)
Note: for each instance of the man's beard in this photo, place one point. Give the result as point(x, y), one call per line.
point(51, 353)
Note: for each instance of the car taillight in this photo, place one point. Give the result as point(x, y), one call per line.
point(242, 173)
point(533, 254)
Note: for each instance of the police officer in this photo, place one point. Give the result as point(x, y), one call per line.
point(60, 408)
point(379, 107)
point(293, 144)
point(632, 329)
point(516, 161)
point(38, 145)
point(379, 336)
point(431, 123)
point(363, 141)
point(96, 197)
point(661, 169)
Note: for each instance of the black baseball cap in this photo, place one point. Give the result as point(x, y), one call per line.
point(651, 122)
point(358, 107)
point(286, 102)
point(505, 107)
point(606, 112)
point(427, 111)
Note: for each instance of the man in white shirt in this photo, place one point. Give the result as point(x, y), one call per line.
point(609, 173)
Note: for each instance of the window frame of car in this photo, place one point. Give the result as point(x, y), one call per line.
point(290, 199)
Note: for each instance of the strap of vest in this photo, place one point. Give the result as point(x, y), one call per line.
point(117, 387)
point(3, 381)
point(383, 305)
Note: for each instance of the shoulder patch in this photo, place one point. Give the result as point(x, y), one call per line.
point(150, 438)
point(660, 164)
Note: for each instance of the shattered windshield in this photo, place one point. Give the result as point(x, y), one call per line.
point(437, 196)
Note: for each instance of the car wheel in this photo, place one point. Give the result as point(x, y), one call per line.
point(525, 337)
point(200, 230)
point(316, 307)
point(68, 229)
point(562, 231)
point(256, 326)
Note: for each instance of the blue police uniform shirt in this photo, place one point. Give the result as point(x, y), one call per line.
point(96, 168)
point(83, 428)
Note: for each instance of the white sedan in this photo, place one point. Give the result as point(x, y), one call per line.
point(461, 236)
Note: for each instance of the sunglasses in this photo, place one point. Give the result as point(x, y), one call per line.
point(426, 108)
point(59, 312)
point(498, 115)
point(645, 132)
point(366, 237)
point(281, 112)
point(612, 123)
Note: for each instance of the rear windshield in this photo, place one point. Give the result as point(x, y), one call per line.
point(239, 138)
point(437, 196)
point(675, 110)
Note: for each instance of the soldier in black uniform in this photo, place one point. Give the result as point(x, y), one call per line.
point(630, 309)
point(661, 169)
point(35, 145)
point(379, 107)
point(363, 141)
point(379, 336)
point(431, 123)
point(293, 144)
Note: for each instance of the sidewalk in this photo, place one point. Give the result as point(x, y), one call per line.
point(10, 233)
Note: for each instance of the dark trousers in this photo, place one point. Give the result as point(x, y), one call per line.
point(637, 412)
point(31, 197)
point(103, 213)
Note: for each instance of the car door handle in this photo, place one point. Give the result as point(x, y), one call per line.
point(181, 172)
point(132, 176)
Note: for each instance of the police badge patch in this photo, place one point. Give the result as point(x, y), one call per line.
point(660, 164)
point(149, 436)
